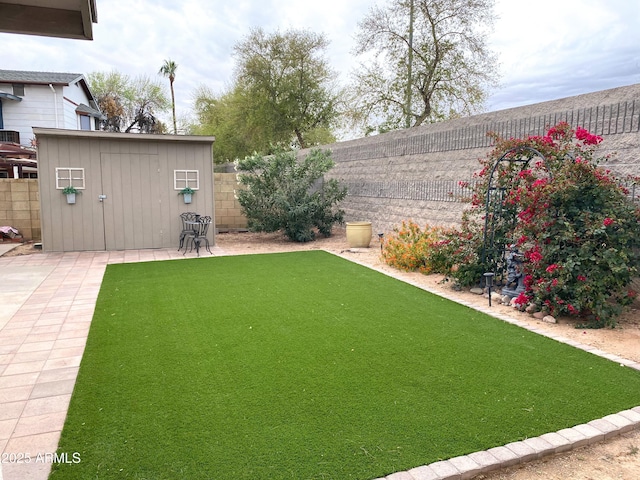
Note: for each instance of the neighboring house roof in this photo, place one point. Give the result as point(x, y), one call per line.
point(51, 78)
point(16, 151)
point(87, 110)
point(52, 18)
point(8, 96)
point(39, 78)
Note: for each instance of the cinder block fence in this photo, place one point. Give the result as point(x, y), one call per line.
point(20, 206)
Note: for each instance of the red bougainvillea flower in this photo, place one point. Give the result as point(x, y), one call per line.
point(535, 256)
point(587, 138)
point(553, 267)
point(582, 278)
point(521, 299)
point(607, 221)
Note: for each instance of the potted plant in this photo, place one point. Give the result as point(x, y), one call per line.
point(186, 194)
point(70, 192)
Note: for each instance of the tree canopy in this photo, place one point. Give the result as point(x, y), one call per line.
point(283, 93)
point(426, 60)
point(130, 104)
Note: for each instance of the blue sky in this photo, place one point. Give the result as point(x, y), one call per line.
point(547, 49)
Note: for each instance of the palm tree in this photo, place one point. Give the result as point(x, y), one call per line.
point(168, 70)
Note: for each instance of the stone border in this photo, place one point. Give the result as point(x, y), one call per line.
point(469, 466)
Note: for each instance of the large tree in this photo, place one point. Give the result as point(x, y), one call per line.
point(168, 70)
point(130, 104)
point(285, 81)
point(228, 117)
point(426, 60)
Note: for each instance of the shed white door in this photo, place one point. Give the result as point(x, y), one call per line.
point(132, 207)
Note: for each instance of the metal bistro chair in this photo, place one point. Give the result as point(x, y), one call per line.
point(187, 229)
point(199, 235)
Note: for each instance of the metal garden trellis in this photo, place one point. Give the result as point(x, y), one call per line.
point(495, 223)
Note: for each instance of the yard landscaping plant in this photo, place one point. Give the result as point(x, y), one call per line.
point(571, 218)
point(283, 193)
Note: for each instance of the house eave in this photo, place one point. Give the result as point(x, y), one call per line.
point(51, 18)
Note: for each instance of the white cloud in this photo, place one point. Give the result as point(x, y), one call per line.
point(548, 49)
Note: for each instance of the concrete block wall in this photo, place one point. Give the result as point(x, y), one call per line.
point(228, 211)
point(20, 206)
point(414, 174)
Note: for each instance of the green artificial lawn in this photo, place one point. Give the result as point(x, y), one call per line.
point(307, 366)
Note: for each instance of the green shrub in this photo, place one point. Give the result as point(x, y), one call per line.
point(282, 193)
point(410, 248)
point(570, 218)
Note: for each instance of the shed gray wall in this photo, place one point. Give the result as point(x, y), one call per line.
point(136, 173)
point(414, 173)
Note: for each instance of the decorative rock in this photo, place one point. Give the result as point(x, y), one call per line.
point(539, 315)
point(549, 319)
point(496, 297)
point(477, 290)
point(531, 309)
point(506, 300)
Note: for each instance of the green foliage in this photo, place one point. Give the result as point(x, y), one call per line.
point(283, 94)
point(570, 218)
point(462, 248)
point(290, 81)
point(444, 75)
point(70, 189)
point(282, 193)
point(130, 104)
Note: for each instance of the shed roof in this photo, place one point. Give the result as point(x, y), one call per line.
point(60, 132)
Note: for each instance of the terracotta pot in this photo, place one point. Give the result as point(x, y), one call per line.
point(358, 234)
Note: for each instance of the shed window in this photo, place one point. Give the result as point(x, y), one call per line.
point(66, 177)
point(18, 89)
point(186, 178)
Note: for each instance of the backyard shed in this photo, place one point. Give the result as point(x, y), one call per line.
point(128, 186)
